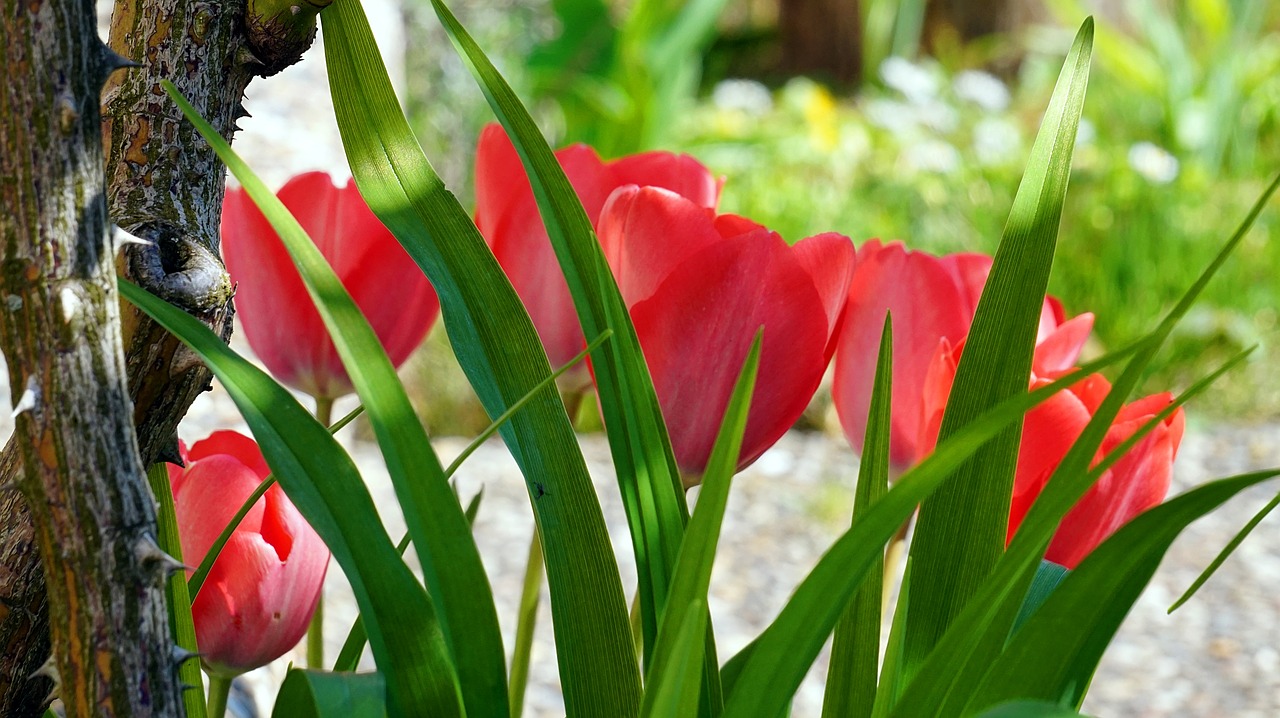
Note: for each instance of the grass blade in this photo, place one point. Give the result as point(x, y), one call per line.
point(855, 650)
point(1225, 553)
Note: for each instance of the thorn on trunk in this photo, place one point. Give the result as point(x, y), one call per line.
point(152, 556)
point(123, 238)
point(170, 453)
point(30, 399)
point(48, 669)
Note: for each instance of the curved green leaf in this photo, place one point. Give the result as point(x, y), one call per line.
point(961, 530)
point(499, 350)
point(322, 481)
point(318, 694)
point(442, 539)
point(651, 489)
point(1054, 655)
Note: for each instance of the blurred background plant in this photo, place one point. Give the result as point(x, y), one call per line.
point(912, 121)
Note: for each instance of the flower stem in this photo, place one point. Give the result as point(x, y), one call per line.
point(315, 631)
point(219, 689)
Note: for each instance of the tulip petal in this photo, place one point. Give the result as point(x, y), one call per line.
point(698, 325)
point(829, 260)
point(646, 232)
point(1060, 348)
point(927, 305)
point(232, 443)
point(681, 174)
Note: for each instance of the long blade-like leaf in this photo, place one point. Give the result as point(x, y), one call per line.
point(322, 481)
point(855, 650)
point(698, 552)
point(1054, 655)
point(965, 654)
point(961, 530)
point(1226, 552)
point(315, 694)
point(446, 549)
point(642, 456)
point(500, 352)
point(783, 653)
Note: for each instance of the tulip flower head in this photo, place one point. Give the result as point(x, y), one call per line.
point(1135, 483)
point(507, 216)
point(259, 595)
point(698, 286)
point(279, 318)
point(932, 300)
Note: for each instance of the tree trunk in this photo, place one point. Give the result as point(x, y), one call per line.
point(822, 38)
point(165, 187)
point(94, 519)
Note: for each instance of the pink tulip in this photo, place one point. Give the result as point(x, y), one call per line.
point(508, 217)
point(1137, 482)
point(258, 598)
point(279, 318)
point(698, 287)
point(932, 299)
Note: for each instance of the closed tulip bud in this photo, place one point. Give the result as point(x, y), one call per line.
point(281, 321)
point(258, 598)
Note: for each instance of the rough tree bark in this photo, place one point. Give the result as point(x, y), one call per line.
point(94, 520)
point(165, 187)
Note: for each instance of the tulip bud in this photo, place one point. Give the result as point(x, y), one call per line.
point(259, 595)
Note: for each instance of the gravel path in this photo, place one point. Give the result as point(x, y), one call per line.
point(1217, 656)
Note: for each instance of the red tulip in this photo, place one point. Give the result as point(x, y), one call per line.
point(508, 217)
point(280, 320)
point(258, 598)
point(698, 287)
point(931, 299)
point(1137, 482)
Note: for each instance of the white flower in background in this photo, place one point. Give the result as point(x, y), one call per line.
point(746, 96)
point(996, 140)
point(938, 116)
point(1153, 162)
point(914, 81)
point(932, 156)
point(893, 115)
point(982, 89)
point(1086, 133)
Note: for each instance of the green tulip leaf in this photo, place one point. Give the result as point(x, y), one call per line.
point(442, 539)
point(781, 656)
point(693, 567)
point(951, 673)
point(349, 656)
point(176, 592)
point(322, 482)
point(647, 475)
point(1226, 552)
point(499, 350)
point(1030, 709)
point(317, 694)
point(1054, 655)
point(961, 530)
point(855, 649)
